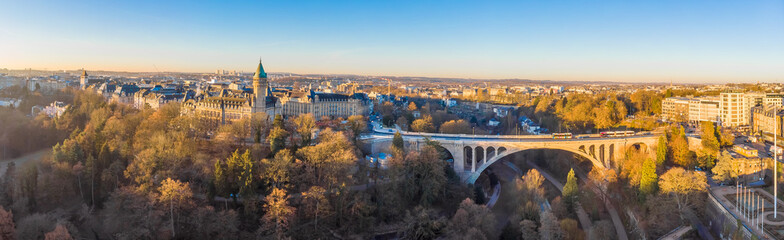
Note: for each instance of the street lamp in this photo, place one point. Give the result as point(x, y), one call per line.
point(775, 163)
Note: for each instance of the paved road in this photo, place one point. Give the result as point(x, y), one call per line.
point(35, 156)
point(585, 221)
point(494, 197)
point(763, 147)
point(381, 132)
point(507, 177)
point(677, 233)
point(619, 228)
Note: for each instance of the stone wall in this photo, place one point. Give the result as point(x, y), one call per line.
point(721, 220)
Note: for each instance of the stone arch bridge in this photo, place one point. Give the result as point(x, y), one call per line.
point(473, 154)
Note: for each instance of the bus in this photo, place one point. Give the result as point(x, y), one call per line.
point(616, 134)
point(562, 135)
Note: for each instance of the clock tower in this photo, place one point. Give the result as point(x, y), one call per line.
point(83, 80)
point(260, 89)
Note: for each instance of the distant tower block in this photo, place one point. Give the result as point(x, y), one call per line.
point(83, 80)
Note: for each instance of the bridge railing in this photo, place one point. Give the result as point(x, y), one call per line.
point(484, 136)
point(421, 134)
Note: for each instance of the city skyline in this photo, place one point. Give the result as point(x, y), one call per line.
point(391, 119)
point(694, 42)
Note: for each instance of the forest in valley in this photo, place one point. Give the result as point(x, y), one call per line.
point(116, 172)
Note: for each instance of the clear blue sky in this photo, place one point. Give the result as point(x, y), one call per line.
point(682, 41)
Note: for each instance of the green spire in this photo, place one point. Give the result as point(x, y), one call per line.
point(260, 72)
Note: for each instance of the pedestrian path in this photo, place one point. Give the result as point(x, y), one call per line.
point(585, 221)
point(677, 233)
point(18, 162)
point(494, 197)
point(614, 216)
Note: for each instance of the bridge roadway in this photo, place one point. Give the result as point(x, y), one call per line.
point(472, 154)
point(504, 138)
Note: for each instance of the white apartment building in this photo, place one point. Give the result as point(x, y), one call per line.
point(736, 106)
point(754, 99)
point(734, 109)
point(774, 99)
point(731, 108)
point(704, 109)
point(675, 109)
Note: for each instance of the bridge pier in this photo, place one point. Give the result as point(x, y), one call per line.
point(473, 160)
point(458, 160)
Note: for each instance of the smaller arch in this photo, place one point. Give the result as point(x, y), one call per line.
point(501, 150)
point(582, 149)
point(602, 156)
point(490, 152)
point(611, 154)
point(468, 156)
point(480, 155)
point(641, 146)
point(592, 150)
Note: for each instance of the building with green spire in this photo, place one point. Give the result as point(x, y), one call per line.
point(260, 86)
point(226, 105)
point(83, 81)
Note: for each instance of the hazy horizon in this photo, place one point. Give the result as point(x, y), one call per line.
point(405, 76)
point(663, 41)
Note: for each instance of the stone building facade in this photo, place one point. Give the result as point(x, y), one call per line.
point(230, 105)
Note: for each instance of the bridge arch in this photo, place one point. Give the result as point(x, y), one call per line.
point(480, 155)
point(469, 164)
point(641, 146)
point(592, 151)
point(490, 152)
point(602, 157)
point(468, 156)
point(611, 155)
point(478, 171)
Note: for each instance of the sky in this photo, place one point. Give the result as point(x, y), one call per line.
point(631, 41)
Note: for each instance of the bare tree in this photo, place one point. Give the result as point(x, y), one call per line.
point(174, 192)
